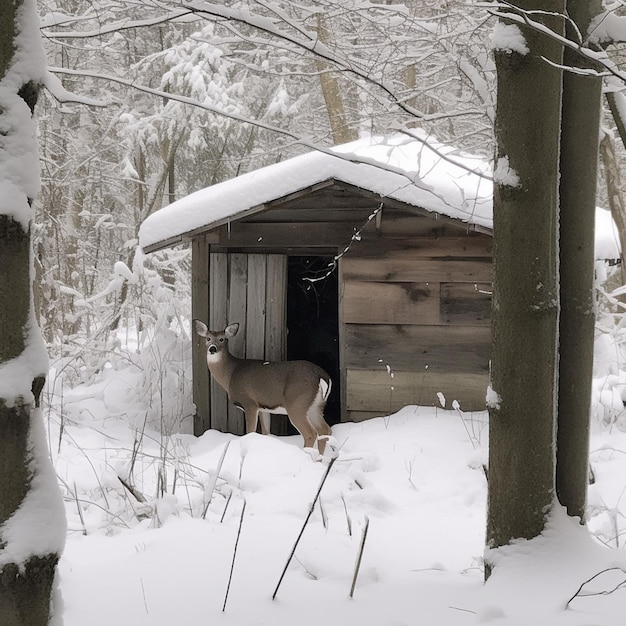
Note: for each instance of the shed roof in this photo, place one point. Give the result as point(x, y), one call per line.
point(419, 172)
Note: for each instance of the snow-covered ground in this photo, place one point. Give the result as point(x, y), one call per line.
point(417, 476)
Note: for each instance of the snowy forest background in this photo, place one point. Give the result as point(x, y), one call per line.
point(149, 101)
point(106, 168)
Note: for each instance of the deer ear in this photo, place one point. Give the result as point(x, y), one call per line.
point(200, 328)
point(231, 330)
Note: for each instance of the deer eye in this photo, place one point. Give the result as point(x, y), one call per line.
point(221, 339)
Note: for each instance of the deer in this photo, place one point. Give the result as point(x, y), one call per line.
point(298, 389)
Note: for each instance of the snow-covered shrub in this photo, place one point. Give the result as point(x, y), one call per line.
point(609, 367)
point(138, 321)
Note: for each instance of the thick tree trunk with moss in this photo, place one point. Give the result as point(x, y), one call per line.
point(525, 306)
point(580, 129)
point(28, 489)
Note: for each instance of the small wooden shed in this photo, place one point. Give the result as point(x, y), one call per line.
point(373, 260)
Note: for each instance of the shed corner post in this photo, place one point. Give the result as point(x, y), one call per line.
point(200, 310)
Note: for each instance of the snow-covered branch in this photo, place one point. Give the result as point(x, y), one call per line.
point(307, 41)
point(106, 29)
point(597, 57)
point(297, 139)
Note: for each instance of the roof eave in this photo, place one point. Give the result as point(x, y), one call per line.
point(211, 226)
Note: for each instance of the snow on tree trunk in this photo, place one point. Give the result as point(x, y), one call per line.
point(32, 519)
point(580, 129)
point(525, 305)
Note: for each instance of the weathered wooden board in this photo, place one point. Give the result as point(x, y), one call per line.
point(332, 194)
point(276, 324)
point(417, 348)
point(368, 302)
point(218, 316)
point(372, 245)
point(376, 390)
point(407, 268)
point(255, 306)
point(200, 310)
point(282, 236)
point(475, 417)
point(362, 416)
point(466, 303)
point(237, 295)
point(403, 224)
point(356, 214)
point(218, 296)
point(237, 307)
point(276, 308)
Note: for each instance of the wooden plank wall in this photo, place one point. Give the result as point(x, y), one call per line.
point(249, 289)
point(415, 318)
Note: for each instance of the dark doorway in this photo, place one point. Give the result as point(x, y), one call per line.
point(313, 320)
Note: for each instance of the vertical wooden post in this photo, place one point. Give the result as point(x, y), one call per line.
point(256, 309)
point(200, 310)
point(218, 318)
point(276, 308)
point(343, 376)
point(237, 295)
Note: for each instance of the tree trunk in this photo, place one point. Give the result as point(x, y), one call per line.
point(342, 131)
point(525, 305)
point(612, 177)
point(580, 128)
point(26, 576)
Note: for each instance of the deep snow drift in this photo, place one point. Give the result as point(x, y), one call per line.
point(417, 476)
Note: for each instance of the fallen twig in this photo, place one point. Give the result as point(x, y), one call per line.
point(578, 593)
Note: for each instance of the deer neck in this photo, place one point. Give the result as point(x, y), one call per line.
point(221, 366)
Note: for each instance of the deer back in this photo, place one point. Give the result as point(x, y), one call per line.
point(276, 384)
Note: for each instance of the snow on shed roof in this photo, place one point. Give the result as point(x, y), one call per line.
point(418, 171)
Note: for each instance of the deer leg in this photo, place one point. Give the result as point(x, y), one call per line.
point(252, 417)
point(265, 418)
point(304, 427)
point(316, 417)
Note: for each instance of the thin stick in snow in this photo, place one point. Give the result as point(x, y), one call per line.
point(306, 521)
point(324, 516)
point(232, 565)
point(143, 592)
point(230, 495)
point(211, 486)
point(80, 510)
point(357, 567)
point(348, 519)
point(132, 490)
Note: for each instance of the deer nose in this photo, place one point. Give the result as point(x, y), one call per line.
point(212, 349)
